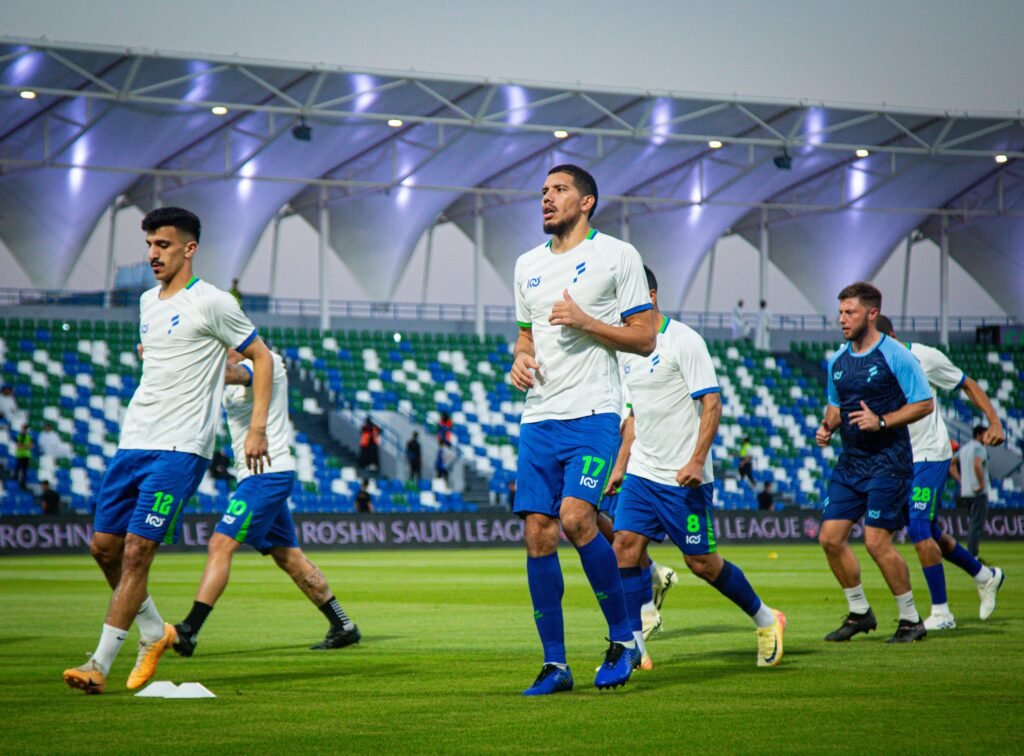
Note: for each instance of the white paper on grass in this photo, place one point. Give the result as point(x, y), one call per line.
point(165, 689)
point(158, 689)
point(191, 690)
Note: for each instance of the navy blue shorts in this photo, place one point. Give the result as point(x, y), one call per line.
point(560, 458)
point(144, 492)
point(258, 513)
point(656, 510)
point(880, 500)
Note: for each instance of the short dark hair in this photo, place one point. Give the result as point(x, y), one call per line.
point(652, 282)
point(865, 292)
point(883, 324)
point(979, 430)
point(584, 182)
point(178, 217)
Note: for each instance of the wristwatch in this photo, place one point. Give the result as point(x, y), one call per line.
point(881, 423)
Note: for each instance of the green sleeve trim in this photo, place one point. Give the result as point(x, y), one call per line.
point(524, 325)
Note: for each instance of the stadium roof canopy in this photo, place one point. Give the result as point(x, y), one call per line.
point(389, 155)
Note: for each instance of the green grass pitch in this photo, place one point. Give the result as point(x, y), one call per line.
point(449, 643)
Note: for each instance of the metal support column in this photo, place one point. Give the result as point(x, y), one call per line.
point(944, 283)
point(275, 245)
point(906, 277)
point(108, 297)
point(624, 223)
point(762, 281)
point(478, 263)
point(711, 279)
point(427, 261)
point(325, 318)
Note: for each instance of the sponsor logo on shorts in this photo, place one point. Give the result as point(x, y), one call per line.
point(588, 482)
point(228, 519)
point(156, 522)
point(920, 506)
point(692, 540)
point(874, 514)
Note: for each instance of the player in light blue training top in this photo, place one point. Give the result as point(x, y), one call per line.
point(876, 388)
point(580, 298)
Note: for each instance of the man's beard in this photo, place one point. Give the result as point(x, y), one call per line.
point(557, 228)
point(857, 334)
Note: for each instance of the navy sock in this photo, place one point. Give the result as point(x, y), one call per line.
point(733, 584)
point(633, 590)
point(544, 575)
point(936, 579)
point(648, 594)
point(963, 559)
point(602, 571)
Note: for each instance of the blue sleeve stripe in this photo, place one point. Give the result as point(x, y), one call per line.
point(248, 341)
point(963, 380)
point(635, 310)
point(708, 390)
point(249, 371)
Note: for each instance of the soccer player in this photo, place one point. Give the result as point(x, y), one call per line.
point(580, 298)
point(932, 454)
point(258, 514)
point(167, 438)
point(875, 389)
point(676, 405)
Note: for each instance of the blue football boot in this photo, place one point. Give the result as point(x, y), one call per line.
point(552, 679)
point(618, 665)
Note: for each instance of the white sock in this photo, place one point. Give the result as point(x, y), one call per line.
point(151, 624)
point(984, 575)
point(560, 665)
point(648, 608)
point(627, 644)
point(941, 608)
point(638, 638)
point(856, 599)
point(110, 643)
point(905, 602)
point(765, 616)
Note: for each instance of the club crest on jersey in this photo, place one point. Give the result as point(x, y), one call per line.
point(655, 361)
point(533, 282)
point(581, 268)
point(872, 372)
point(175, 320)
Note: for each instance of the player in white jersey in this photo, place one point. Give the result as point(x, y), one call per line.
point(676, 405)
point(167, 438)
point(258, 514)
point(580, 298)
point(932, 454)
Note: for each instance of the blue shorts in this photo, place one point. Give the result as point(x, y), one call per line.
point(929, 483)
point(258, 513)
point(560, 458)
point(609, 505)
point(144, 492)
point(655, 509)
point(880, 500)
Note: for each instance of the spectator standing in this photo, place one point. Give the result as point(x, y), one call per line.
point(49, 500)
point(369, 445)
point(765, 499)
point(762, 338)
point(444, 428)
point(23, 456)
point(364, 503)
point(974, 485)
point(740, 326)
point(445, 459)
point(235, 292)
point(746, 461)
point(414, 457)
point(512, 494)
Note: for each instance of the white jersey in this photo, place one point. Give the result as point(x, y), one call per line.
point(928, 436)
point(662, 390)
point(578, 376)
point(238, 405)
point(184, 338)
